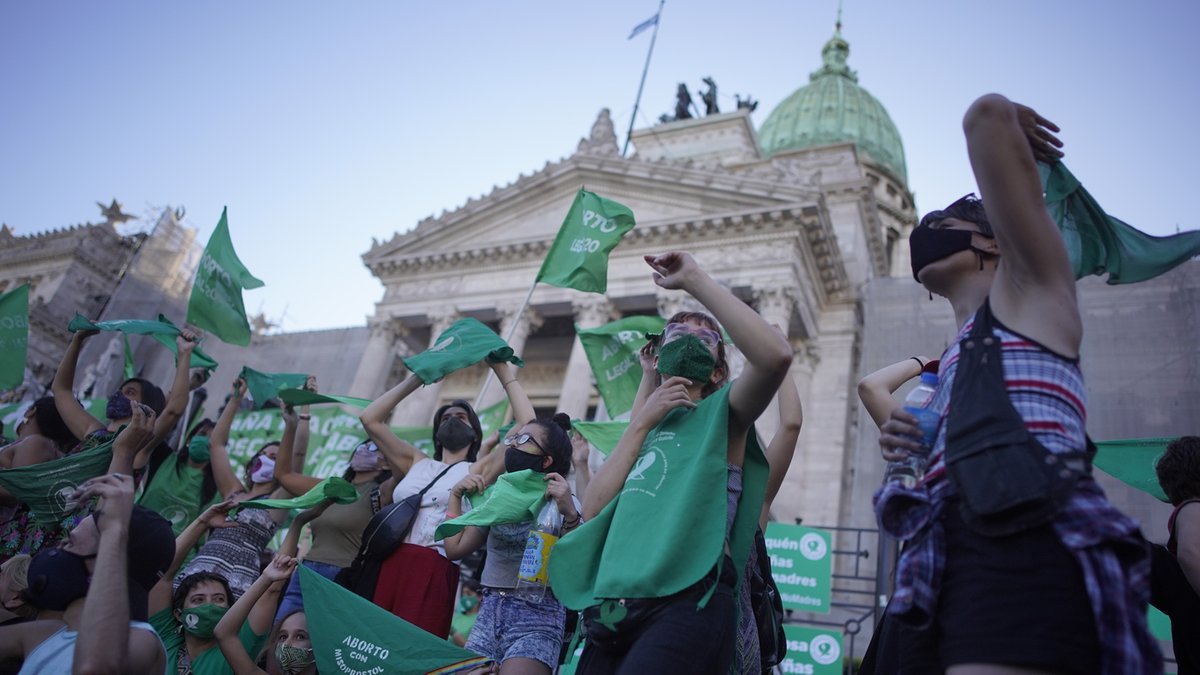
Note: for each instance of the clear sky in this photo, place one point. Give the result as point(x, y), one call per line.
point(322, 125)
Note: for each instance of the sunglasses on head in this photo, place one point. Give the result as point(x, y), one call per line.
point(709, 338)
point(521, 439)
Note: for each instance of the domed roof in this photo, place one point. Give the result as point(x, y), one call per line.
point(832, 108)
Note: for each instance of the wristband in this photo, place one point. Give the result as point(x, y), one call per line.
point(309, 417)
point(918, 362)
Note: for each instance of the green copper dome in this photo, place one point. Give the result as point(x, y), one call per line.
point(834, 109)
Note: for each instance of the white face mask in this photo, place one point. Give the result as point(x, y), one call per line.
point(263, 470)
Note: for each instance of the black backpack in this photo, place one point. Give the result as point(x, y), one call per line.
point(767, 606)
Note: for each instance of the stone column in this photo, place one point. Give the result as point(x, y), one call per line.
point(590, 312)
point(417, 410)
point(526, 324)
point(775, 304)
point(370, 380)
point(671, 302)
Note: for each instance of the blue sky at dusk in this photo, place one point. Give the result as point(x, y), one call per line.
point(322, 125)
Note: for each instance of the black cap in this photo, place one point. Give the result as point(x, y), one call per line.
point(149, 550)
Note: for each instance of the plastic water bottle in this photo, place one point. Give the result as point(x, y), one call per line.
point(909, 470)
point(532, 578)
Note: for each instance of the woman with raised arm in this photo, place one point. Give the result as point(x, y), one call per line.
point(337, 530)
point(180, 483)
point(673, 510)
point(417, 581)
point(288, 649)
point(234, 552)
point(1059, 586)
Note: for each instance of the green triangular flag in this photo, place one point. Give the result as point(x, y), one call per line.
point(337, 489)
point(515, 498)
point(1098, 243)
point(130, 370)
point(612, 351)
point(578, 258)
point(463, 344)
point(350, 634)
point(1132, 462)
point(216, 302)
point(162, 331)
point(305, 397)
point(604, 436)
point(14, 336)
point(265, 386)
point(48, 487)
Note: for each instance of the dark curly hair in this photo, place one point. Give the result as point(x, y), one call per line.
point(51, 424)
point(1179, 469)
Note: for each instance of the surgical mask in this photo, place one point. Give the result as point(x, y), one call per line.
point(515, 460)
point(198, 449)
point(200, 621)
point(365, 458)
point(57, 578)
point(467, 603)
point(263, 470)
point(293, 659)
point(686, 356)
point(927, 245)
point(119, 406)
point(455, 434)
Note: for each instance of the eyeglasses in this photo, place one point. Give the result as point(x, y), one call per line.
point(709, 338)
point(521, 439)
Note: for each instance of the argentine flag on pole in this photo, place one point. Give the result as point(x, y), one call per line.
point(648, 23)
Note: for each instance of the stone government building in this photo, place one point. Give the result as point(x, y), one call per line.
point(805, 218)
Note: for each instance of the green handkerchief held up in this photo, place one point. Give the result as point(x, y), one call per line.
point(265, 386)
point(162, 331)
point(353, 635)
point(578, 258)
point(463, 344)
point(48, 488)
point(515, 498)
point(665, 529)
point(1098, 243)
point(604, 436)
point(337, 489)
point(305, 397)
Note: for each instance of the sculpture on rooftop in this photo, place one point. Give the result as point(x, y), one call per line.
point(683, 102)
point(709, 96)
point(113, 214)
point(748, 103)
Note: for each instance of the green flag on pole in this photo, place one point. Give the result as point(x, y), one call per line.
point(514, 498)
point(130, 370)
point(612, 351)
point(14, 336)
point(161, 331)
point(1132, 462)
point(351, 634)
point(1099, 244)
point(578, 258)
point(265, 386)
point(216, 302)
point(465, 343)
point(48, 488)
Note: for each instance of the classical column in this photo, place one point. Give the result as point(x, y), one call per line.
point(526, 324)
point(672, 302)
point(370, 380)
point(417, 410)
point(590, 312)
point(775, 304)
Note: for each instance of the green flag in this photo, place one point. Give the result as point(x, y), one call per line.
point(337, 489)
point(604, 436)
point(1132, 462)
point(48, 488)
point(306, 397)
point(216, 302)
point(420, 438)
point(463, 344)
point(265, 386)
point(130, 370)
point(351, 634)
point(161, 331)
point(14, 336)
point(612, 351)
point(492, 416)
point(515, 498)
point(578, 258)
point(1099, 243)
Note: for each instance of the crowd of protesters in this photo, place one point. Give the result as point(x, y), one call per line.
point(167, 565)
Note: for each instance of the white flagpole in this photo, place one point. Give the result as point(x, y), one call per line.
point(646, 69)
point(512, 330)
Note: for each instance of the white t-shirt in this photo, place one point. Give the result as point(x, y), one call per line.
point(433, 504)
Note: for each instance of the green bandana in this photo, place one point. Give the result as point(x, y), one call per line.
point(48, 488)
point(265, 386)
point(306, 397)
point(199, 449)
point(337, 489)
point(463, 344)
point(162, 331)
point(686, 356)
point(202, 619)
point(665, 530)
point(515, 498)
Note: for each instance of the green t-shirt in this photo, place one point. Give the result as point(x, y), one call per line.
point(461, 624)
point(212, 661)
point(175, 494)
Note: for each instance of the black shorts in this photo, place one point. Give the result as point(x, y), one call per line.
point(1018, 600)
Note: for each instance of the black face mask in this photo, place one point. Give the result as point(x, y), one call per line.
point(56, 579)
point(455, 434)
point(927, 245)
point(119, 407)
point(515, 460)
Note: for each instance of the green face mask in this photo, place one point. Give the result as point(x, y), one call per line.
point(467, 603)
point(201, 620)
point(686, 356)
point(198, 449)
point(292, 659)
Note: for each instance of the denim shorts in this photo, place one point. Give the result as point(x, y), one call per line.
point(510, 626)
point(292, 599)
